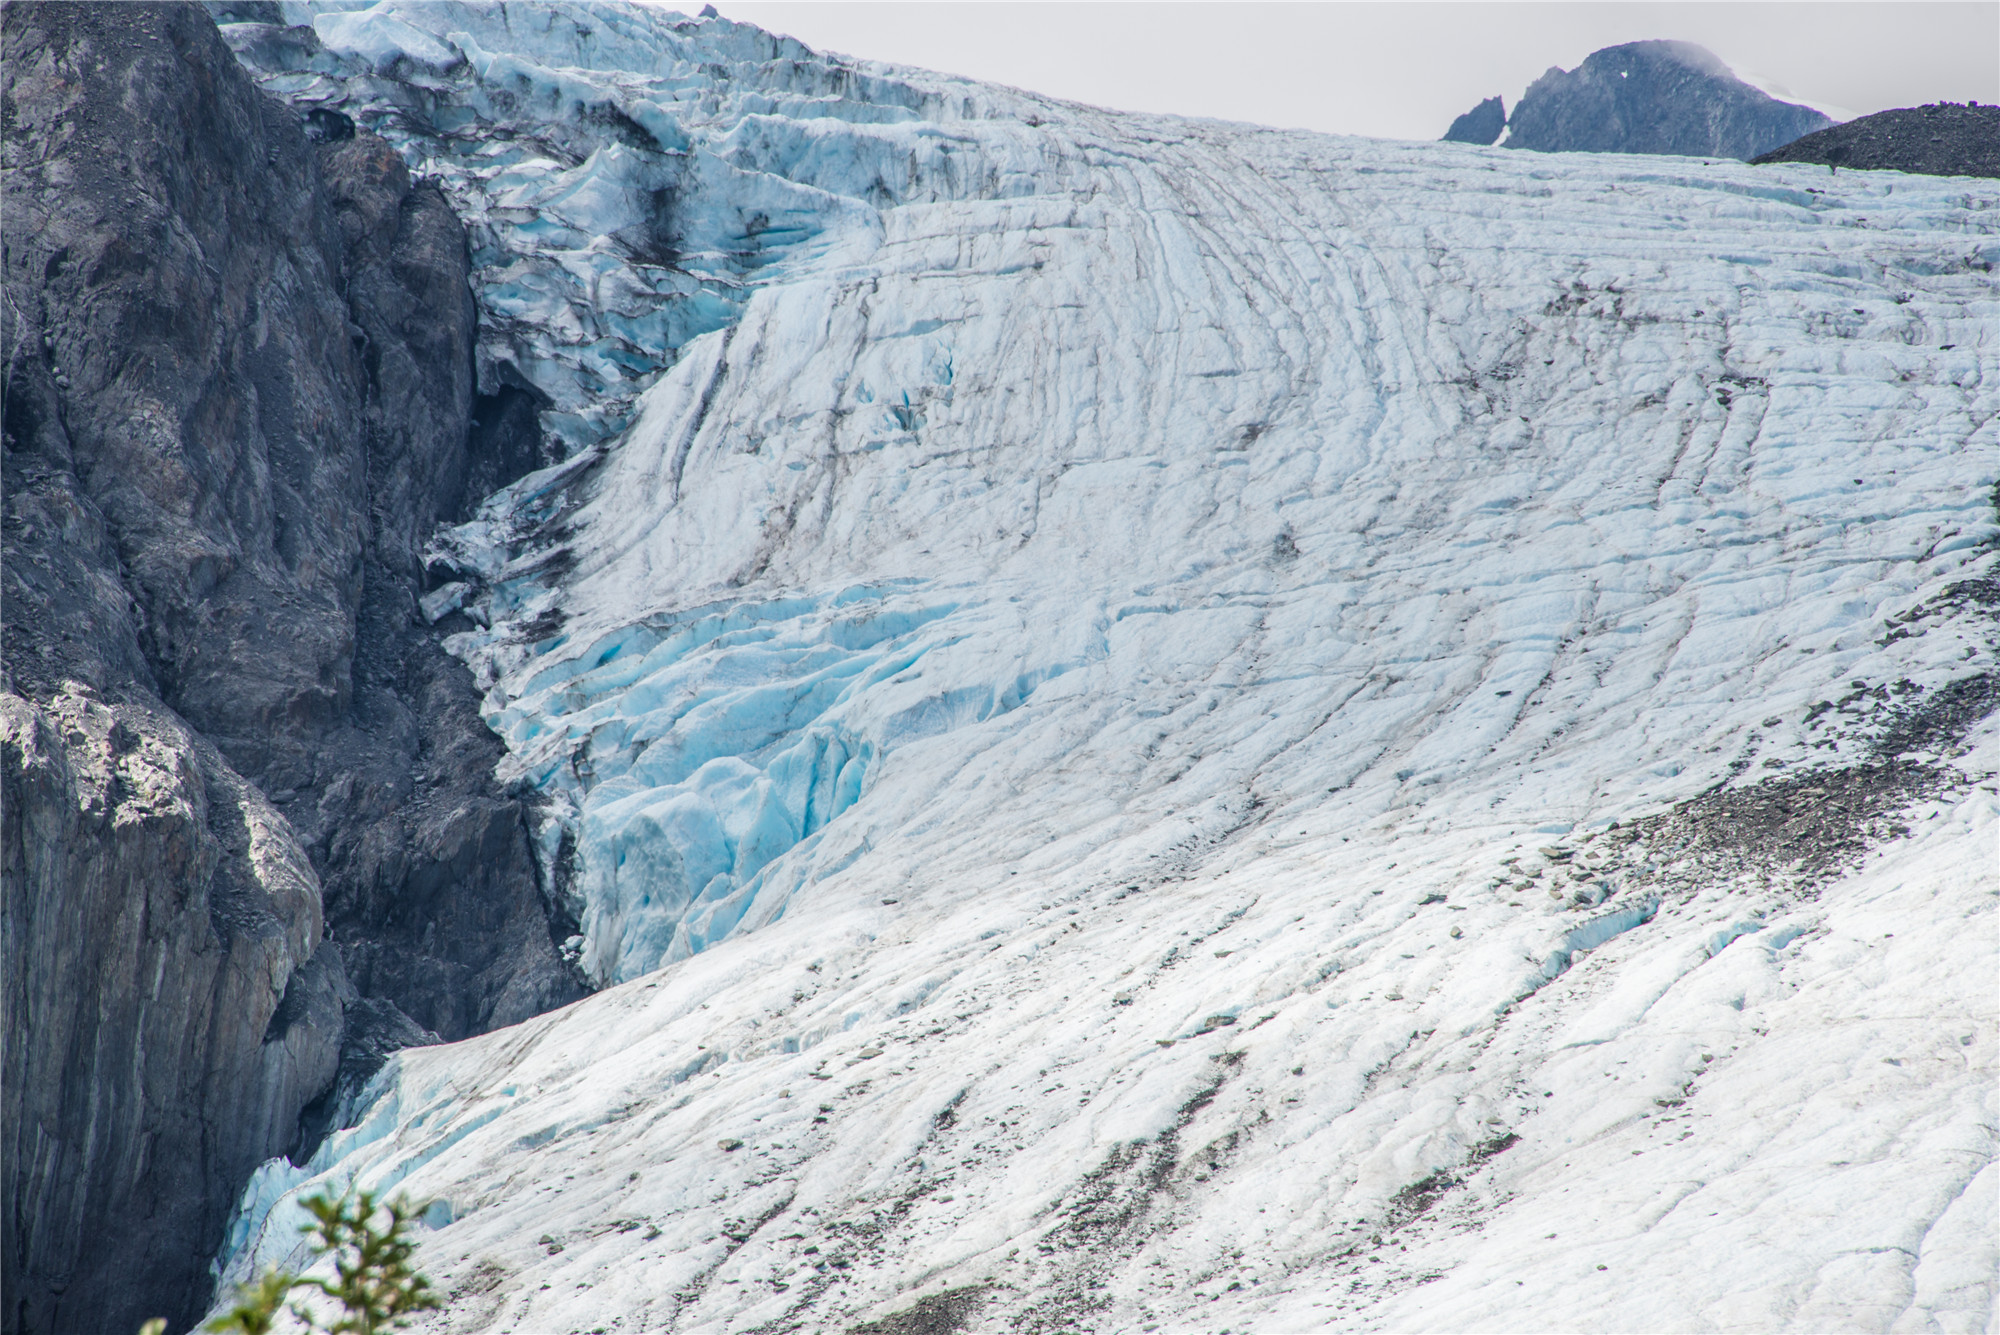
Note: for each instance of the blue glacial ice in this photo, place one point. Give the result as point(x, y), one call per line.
point(1061, 576)
point(895, 398)
point(625, 198)
point(629, 175)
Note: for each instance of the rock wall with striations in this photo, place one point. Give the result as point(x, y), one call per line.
point(251, 838)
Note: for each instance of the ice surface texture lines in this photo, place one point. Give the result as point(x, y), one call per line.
point(1029, 669)
point(1254, 486)
point(1308, 445)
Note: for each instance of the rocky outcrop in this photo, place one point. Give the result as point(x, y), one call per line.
point(431, 885)
point(1942, 139)
point(1650, 97)
point(248, 799)
point(166, 1009)
point(1481, 125)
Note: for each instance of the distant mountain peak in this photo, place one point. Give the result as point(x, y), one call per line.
point(1481, 125)
point(1644, 97)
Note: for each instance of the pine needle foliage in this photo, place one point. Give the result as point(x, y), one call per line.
point(373, 1278)
point(256, 1309)
point(373, 1283)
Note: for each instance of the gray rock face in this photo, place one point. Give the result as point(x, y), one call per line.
point(1481, 125)
point(431, 886)
point(158, 914)
point(238, 396)
point(1654, 97)
point(1942, 139)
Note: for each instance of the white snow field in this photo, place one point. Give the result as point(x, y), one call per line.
point(1170, 726)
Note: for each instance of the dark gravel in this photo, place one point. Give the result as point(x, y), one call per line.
point(1943, 139)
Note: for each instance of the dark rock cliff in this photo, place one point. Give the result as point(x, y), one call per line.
point(250, 837)
point(1654, 97)
point(1942, 139)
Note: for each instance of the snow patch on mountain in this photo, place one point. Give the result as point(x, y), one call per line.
point(1132, 707)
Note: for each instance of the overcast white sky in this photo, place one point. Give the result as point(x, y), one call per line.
point(1399, 70)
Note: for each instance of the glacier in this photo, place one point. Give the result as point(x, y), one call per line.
point(1161, 724)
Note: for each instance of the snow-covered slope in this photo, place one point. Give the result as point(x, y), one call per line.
point(1163, 724)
